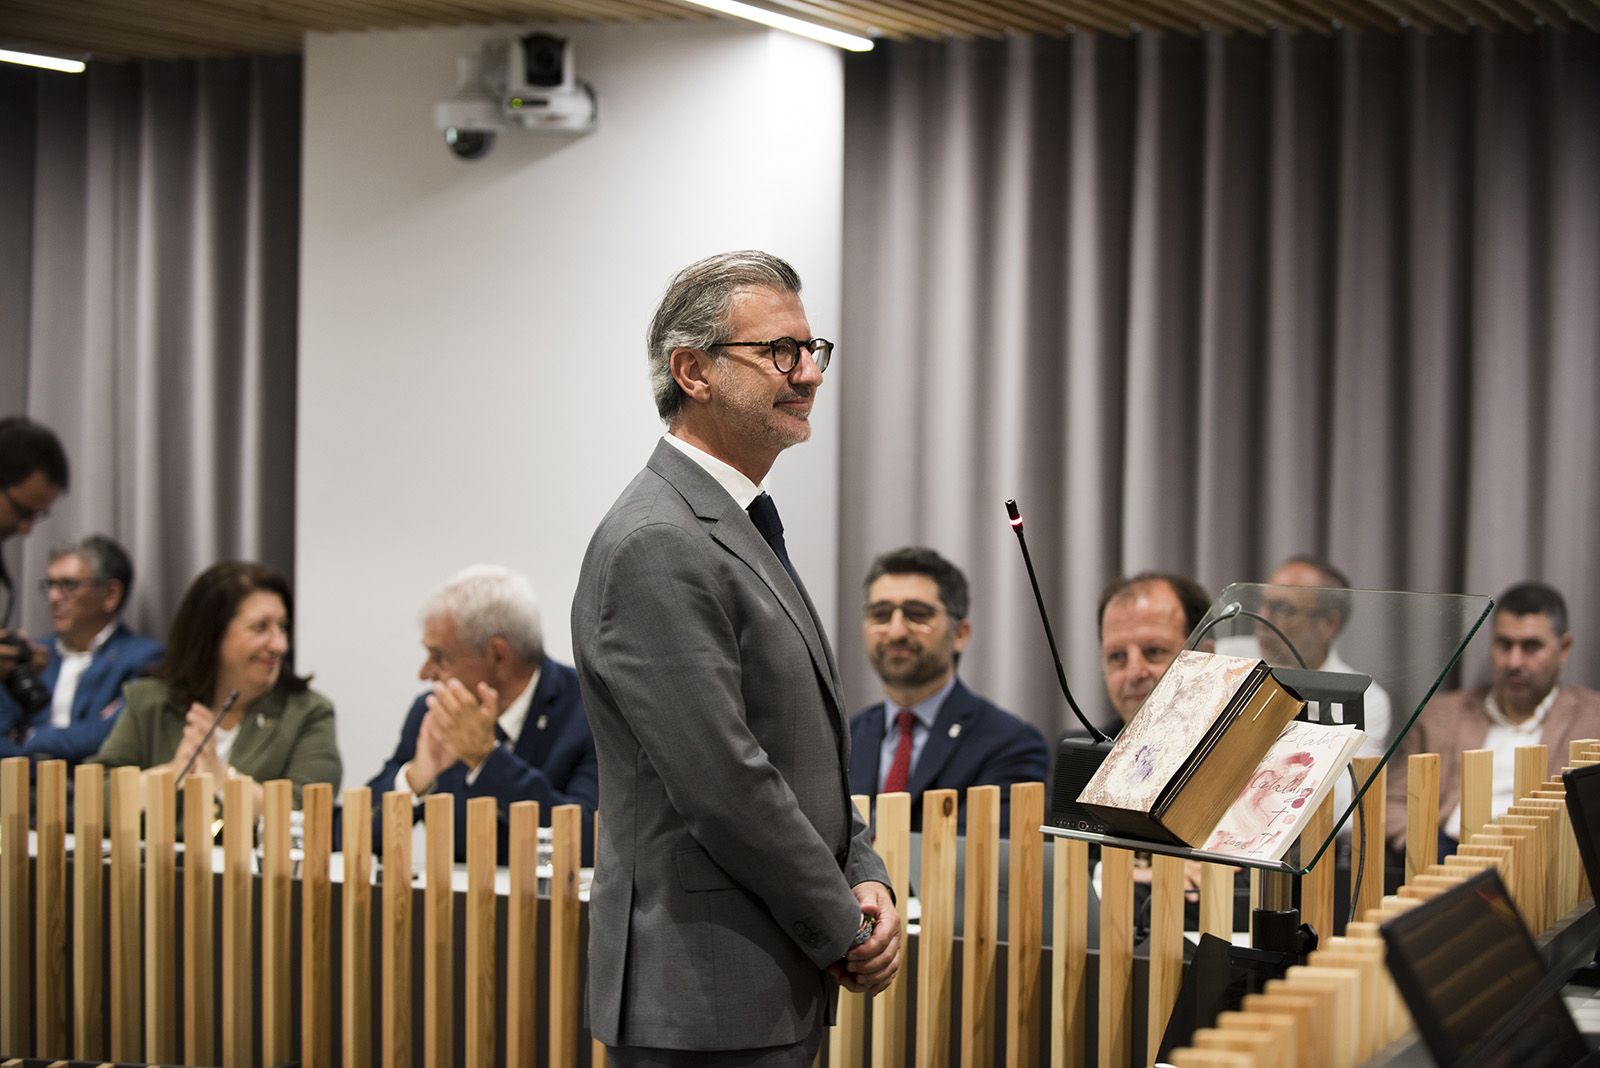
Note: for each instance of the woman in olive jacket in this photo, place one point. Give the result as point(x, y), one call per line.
point(229, 651)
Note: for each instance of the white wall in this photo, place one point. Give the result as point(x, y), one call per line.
point(472, 378)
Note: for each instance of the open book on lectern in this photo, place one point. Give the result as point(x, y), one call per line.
point(1215, 759)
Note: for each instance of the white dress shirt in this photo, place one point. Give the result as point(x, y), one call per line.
point(1505, 738)
point(73, 665)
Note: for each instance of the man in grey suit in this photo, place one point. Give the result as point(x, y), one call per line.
point(735, 885)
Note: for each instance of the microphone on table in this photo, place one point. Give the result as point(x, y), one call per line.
point(227, 706)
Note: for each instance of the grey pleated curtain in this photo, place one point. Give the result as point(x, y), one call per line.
point(157, 276)
point(1202, 303)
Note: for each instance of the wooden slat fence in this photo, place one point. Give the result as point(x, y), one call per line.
point(143, 983)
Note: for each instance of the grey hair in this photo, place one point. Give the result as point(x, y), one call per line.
point(105, 559)
point(693, 313)
point(487, 600)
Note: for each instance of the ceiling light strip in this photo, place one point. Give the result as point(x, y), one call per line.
point(29, 59)
point(848, 41)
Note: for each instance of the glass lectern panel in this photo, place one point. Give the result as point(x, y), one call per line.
point(1326, 640)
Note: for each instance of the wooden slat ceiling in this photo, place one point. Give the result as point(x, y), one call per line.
point(126, 29)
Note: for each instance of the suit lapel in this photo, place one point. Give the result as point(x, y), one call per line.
point(730, 527)
point(864, 753)
point(530, 741)
point(257, 728)
point(941, 744)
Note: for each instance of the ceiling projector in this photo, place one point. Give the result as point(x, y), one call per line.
point(527, 81)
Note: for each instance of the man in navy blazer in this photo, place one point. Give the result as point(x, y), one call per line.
point(932, 732)
point(503, 720)
point(92, 654)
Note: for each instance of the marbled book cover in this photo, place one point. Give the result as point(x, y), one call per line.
point(1167, 729)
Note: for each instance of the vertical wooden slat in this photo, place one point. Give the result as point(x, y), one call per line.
point(1025, 927)
point(522, 937)
point(480, 977)
point(1477, 792)
point(238, 922)
point(356, 956)
point(1316, 888)
point(1166, 946)
point(126, 933)
point(846, 1038)
point(160, 918)
point(16, 1007)
point(438, 933)
point(566, 988)
point(980, 927)
point(51, 909)
point(890, 1040)
point(1116, 958)
point(1529, 771)
point(88, 932)
point(936, 943)
point(317, 996)
point(397, 925)
point(1069, 956)
point(1367, 838)
point(1422, 812)
point(1216, 901)
point(199, 938)
point(277, 1045)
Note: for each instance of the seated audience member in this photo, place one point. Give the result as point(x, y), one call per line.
point(1526, 703)
point(1144, 621)
point(92, 655)
point(232, 634)
point(932, 733)
point(1312, 614)
point(501, 720)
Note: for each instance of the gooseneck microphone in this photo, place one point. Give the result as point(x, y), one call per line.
point(1049, 634)
point(227, 706)
point(1077, 759)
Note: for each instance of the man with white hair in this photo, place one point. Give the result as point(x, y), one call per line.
point(502, 719)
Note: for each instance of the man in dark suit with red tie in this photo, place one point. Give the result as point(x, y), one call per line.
point(932, 733)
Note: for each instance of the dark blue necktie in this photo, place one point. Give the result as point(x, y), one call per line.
point(764, 514)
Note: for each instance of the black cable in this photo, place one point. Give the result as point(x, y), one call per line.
point(1234, 609)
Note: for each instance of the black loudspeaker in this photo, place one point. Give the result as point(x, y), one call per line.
point(1077, 759)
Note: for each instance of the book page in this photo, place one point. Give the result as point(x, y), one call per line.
point(1297, 773)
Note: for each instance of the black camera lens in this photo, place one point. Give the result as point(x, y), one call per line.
point(469, 144)
point(543, 59)
point(25, 688)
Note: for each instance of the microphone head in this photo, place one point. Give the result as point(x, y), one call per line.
point(1014, 513)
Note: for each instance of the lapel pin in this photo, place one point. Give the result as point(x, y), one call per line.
point(955, 730)
point(542, 722)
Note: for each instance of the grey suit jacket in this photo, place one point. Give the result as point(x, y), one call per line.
point(728, 844)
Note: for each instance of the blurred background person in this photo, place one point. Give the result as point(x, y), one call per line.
point(33, 473)
point(91, 656)
point(232, 633)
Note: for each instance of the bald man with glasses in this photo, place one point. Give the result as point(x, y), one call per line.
point(930, 732)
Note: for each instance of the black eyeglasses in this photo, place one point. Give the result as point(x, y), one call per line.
point(786, 351)
point(33, 515)
point(917, 613)
point(66, 586)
